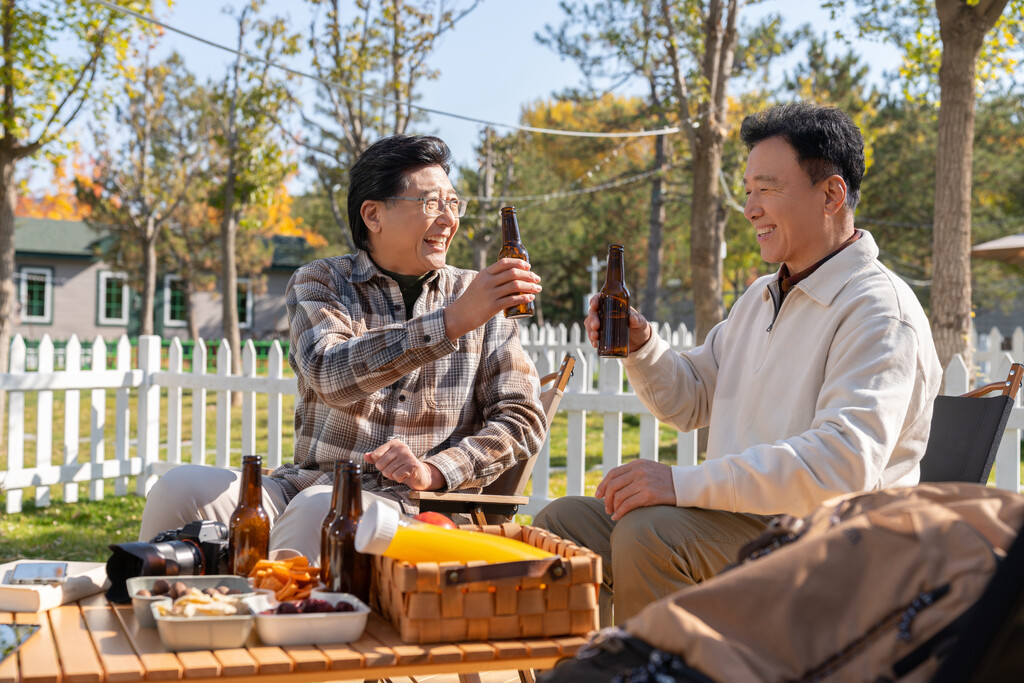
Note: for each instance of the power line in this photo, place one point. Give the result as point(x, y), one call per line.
point(389, 100)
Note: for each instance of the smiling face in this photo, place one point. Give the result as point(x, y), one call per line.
point(402, 238)
point(792, 215)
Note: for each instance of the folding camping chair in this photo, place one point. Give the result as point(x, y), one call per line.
point(966, 430)
point(500, 500)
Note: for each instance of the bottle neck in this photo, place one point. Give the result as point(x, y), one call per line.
point(339, 473)
point(509, 228)
point(252, 490)
point(351, 500)
point(616, 272)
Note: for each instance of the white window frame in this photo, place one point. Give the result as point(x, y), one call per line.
point(244, 281)
point(47, 273)
point(168, 321)
point(105, 277)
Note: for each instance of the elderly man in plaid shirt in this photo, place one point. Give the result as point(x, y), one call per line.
point(402, 361)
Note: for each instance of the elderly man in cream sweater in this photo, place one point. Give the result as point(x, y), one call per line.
point(819, 382)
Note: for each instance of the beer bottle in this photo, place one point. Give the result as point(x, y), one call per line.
point(332, 513)
point(249, 526)
point(512, 247)
point(613, 309)
point(348, 569)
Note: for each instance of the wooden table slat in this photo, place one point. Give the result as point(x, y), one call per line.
point(157, 663)
point(476, 652)
point(200, 663)
point(342, 656)
point(510, 649)
point(271, 659)
point(307, 658)
point(236, 662)
point(78, 658)
point(115, 649)
point(543, 648)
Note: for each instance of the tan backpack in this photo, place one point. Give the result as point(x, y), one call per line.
point(868, 587)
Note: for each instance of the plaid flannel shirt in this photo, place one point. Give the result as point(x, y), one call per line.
point(366, 374)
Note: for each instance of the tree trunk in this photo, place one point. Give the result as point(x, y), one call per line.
point(229, 292)
point(706, 233)
point(190, 313)
point(8, 200)
point(963, 30)
point(657, 228)
point(149, 276)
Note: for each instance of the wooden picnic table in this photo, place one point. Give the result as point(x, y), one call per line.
point(93, 641)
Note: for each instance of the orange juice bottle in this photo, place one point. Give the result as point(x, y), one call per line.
point(384, 531)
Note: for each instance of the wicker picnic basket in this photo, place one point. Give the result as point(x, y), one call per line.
point(430, 602)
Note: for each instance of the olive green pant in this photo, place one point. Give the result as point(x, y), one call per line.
point(651, 552)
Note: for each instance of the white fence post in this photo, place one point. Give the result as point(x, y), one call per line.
point(1008, 454)
point(72, 414)
point(15, 425)
point(44, 420)
point(223, 456)
point(122, 410)
point(174, 405)
point(275, 370)
point(97, 419)
point(248, 400)
point(610, 382)
point(199, 404)
point(149, 411)
point(542, 468)
point(576, 437)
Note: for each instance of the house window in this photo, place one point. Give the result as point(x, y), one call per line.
point(36, 295)
point(175, 313)
point(113, 298)
point(244, 293)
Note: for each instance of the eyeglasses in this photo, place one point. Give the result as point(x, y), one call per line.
point(435, 206)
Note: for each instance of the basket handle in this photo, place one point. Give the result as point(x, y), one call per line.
point(533, 569)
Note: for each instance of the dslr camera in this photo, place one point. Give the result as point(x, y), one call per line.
point(199, 547)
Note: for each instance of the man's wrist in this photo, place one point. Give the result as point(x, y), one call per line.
point(437, 480)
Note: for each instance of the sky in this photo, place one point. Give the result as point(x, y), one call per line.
point(491, 66)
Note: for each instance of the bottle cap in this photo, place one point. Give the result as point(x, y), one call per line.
point(376, 528)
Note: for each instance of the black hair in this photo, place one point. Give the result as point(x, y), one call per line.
point(380, 172)
point(826, 140)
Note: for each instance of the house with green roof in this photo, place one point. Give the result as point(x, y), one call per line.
point(64, 287)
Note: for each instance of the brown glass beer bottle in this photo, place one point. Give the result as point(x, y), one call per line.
point(348, 571)
point(332, 514)
point(249, 526)
point(512, 247)
point(613, 309)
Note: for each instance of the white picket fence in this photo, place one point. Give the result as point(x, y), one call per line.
point(597, 386)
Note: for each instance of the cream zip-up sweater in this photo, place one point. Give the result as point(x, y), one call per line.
point(831, 394)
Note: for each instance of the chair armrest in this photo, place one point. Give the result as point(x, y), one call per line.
point(481, 499)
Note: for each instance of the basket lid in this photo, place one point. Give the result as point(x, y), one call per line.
point(377, 527)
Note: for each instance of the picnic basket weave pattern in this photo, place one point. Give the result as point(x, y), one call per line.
point(424, 609)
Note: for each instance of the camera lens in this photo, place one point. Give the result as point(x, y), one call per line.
point(169, 558)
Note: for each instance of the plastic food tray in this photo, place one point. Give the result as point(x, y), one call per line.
point(203, 633)
point(142, 604)
point(318, 628)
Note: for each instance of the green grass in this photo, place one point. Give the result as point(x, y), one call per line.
point(70, 531)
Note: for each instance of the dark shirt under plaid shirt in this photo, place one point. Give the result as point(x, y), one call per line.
point(367, 374)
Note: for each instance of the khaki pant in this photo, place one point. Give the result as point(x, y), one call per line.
point(651, 552)
point(192, 492)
